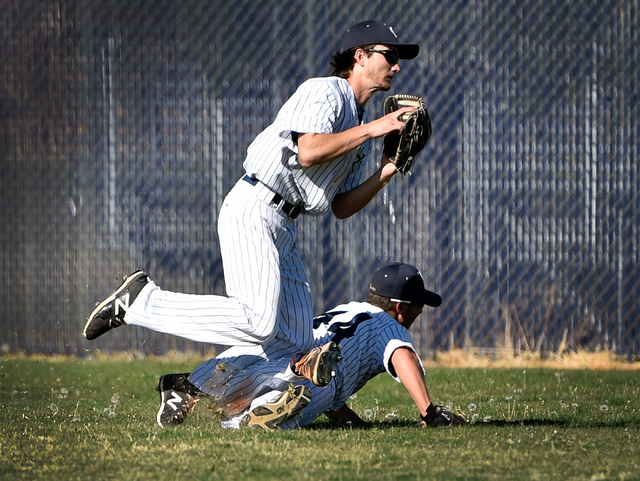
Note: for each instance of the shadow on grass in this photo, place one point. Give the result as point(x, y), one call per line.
point(564, 423)
point(561, 423)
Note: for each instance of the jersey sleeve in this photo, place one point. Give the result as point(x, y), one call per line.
point(314, 108)
point(395, 337)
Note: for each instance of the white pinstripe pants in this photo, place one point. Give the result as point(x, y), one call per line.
point(269, 300)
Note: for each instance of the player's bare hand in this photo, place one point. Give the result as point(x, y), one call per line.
point(390, 123)
point(401, 114)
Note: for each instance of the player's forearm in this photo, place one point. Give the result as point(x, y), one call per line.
point(348, 203)
point(407, 367)
point(315, 149)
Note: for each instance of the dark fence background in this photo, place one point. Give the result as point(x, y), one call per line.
point(124, 123)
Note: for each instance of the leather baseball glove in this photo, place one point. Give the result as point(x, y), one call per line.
point(402, 148)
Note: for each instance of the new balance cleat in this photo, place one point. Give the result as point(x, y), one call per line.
point(272, 415)
point(109, 314)
point(177, 397)
point(318, 364)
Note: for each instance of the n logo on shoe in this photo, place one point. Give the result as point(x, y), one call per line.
point(175, 400)
point(122, 303)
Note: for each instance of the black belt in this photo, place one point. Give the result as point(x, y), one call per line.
point(288, 208)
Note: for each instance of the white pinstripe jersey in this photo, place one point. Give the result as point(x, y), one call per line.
point(320, 105)
point(368, 337)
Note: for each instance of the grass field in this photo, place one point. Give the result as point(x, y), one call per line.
point(95, 419)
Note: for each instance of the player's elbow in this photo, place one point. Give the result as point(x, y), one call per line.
point(309, 149)
point(340, 208)
point(340, 214)
point(305, 158)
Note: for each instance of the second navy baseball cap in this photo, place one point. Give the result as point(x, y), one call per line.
point(372, 32)
point(402, 283)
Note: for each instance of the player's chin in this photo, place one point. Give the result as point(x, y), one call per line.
point(383, 85)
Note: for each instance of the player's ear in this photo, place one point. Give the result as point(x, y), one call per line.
point(359, 55)
point(401, 310)
point(392, 310)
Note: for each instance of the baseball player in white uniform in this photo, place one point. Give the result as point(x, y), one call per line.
point(374, 337)
point(309, 160)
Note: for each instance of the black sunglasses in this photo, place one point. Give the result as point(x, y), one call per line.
point(389, 55)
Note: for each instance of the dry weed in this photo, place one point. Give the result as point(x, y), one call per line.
point(498, 358)
point(472, 358)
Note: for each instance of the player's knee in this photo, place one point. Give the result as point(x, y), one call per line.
point(264, 332)
point(263, 338)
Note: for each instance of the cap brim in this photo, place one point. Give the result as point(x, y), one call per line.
point(406, 51)
point(431, 299)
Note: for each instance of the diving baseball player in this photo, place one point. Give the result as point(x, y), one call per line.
point(374, 337)
point(309, 160)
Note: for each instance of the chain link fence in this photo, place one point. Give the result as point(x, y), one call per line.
point(124, 124)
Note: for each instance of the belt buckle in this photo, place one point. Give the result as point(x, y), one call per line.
point(292, 211)
point(295, 211)
point(288, 208)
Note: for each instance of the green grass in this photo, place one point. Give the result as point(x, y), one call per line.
point(95, 419)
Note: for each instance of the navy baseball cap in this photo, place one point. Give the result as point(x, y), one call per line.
point(402, 283)
point(372, 32)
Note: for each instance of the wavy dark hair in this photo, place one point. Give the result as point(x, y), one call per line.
point(343, 62)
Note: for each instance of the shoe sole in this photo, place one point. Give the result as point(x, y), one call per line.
point(328, 358)
point(125, 284)
point(285, 408)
